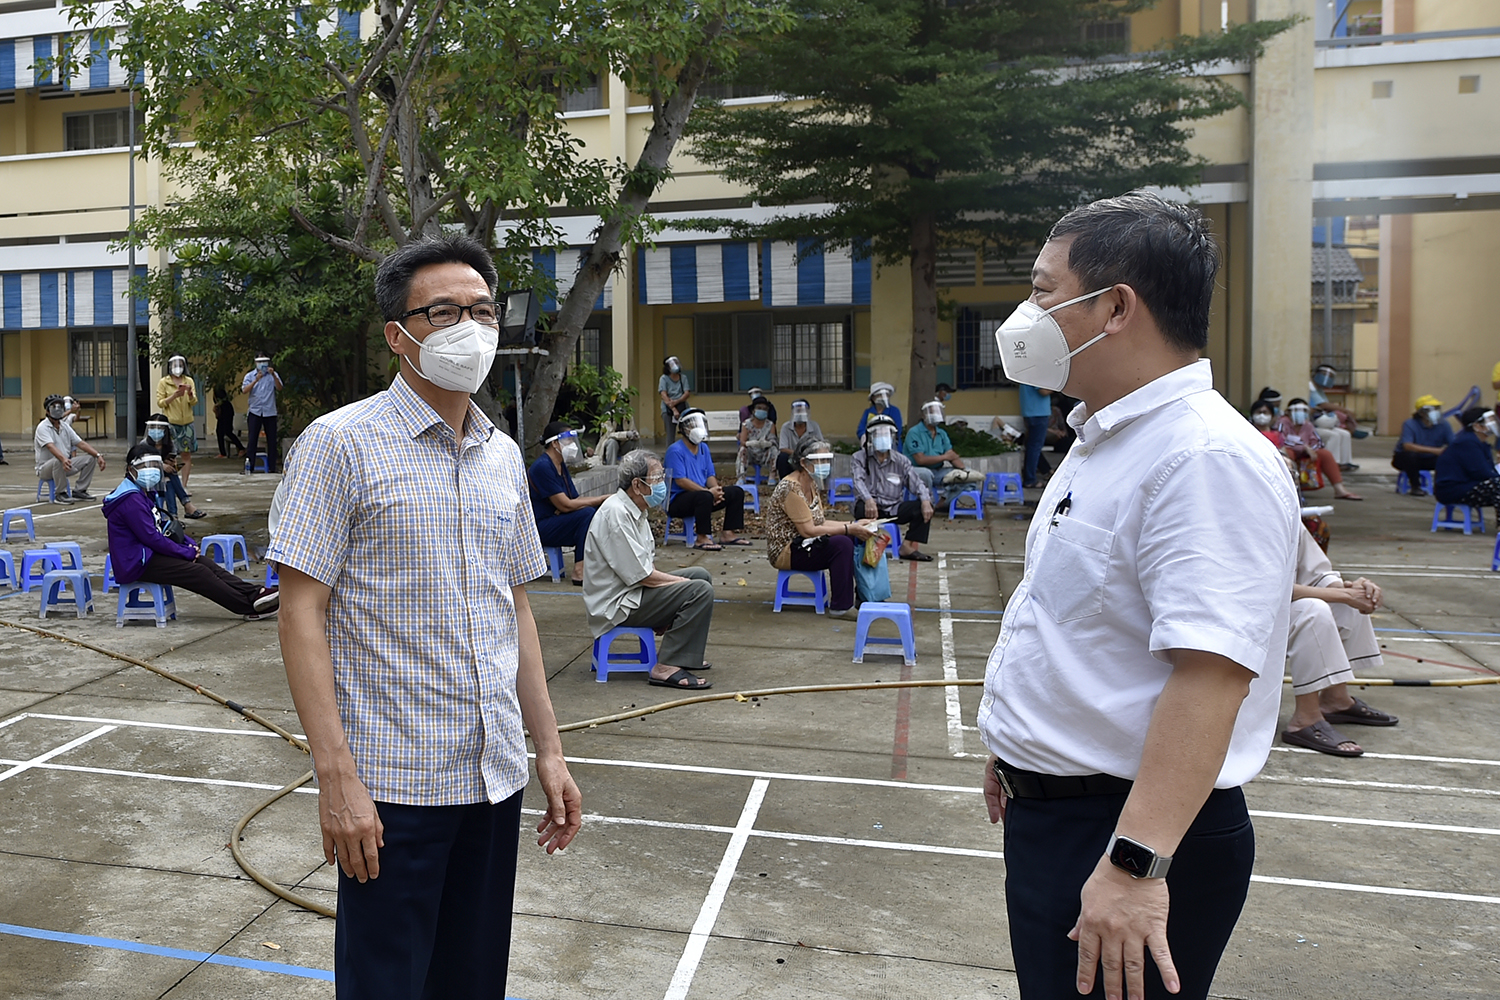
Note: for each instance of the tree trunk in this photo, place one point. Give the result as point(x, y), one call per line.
point(649, 172)
point(924, 303)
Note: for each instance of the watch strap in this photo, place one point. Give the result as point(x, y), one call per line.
point(1136, 859)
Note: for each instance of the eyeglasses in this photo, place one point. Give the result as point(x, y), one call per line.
point(658, 478)
point(449, 313)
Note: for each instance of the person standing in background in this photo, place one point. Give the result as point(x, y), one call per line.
point(1036, 414)
point(176, 395)
point(261, 383)
point(224, 423)
point(673, 389)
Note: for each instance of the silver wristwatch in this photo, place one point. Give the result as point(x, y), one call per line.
point(1136, 859)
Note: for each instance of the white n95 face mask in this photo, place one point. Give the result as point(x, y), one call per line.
point(1032, 347)
point(458, 357)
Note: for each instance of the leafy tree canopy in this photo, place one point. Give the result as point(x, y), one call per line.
point(960, 123)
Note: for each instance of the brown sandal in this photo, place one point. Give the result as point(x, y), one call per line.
point(1322, 737)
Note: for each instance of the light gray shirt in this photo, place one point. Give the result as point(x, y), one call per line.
point(64, 436)
point(619, 554)
point(790, 437)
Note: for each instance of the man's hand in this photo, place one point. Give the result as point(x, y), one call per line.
point(1121, 918)
point(927, 510)
point(67, 463)
point(952, 456)
point(994, 795)
point(718, 493)
point(564, 804)
point(352, 831)
point(1364, 595)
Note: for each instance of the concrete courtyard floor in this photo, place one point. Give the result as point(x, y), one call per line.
point(807, 846)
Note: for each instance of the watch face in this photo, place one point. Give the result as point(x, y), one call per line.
point(1132, 857)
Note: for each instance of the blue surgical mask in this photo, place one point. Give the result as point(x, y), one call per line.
point(762, 414)
point(155, 434)
point(658, 495)
point(1322, 380)
point(148, 478)
point(822, 470)
point(262, 366)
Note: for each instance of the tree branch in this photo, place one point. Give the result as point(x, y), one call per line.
point(348, 246)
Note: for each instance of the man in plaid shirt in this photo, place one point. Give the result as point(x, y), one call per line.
point(405, 538)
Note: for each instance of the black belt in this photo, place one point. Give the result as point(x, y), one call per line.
point(1020, 784)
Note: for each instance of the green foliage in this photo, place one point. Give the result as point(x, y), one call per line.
point(970, 443)
point(258, 283)
point(989, 118)
point(595, 395)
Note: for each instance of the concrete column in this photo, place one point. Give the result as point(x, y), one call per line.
point(23, 129)
point(622, 313)
point(1281, 121)
point(890, 331)
point(1394, 390)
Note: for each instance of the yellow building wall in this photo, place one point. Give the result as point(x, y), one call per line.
point(1424, 117)
point(1453, 341)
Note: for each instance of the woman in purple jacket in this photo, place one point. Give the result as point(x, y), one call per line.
point(139, 548)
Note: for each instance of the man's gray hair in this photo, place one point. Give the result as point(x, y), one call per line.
point(636, 465)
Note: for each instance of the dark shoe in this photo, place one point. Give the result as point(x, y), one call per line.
point(1360, 714)
point(1322, 737)
point(256, 618)
point(267, 601)
point(82, 495)
point(63, 498)
point(1418, 493)
point(3, 462)
point(682, 679)
point(1348, 467)
point(196, 514)
point(917, 557)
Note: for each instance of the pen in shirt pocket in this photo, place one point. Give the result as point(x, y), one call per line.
point(1062, 508)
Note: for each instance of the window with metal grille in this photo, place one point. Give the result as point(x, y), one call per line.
point(588, 97)
point(978, 358)
point(586, 351)
point(97, 360)
point(1113, 36)
point(998, 270)
point(955, 268)
point(713, 352)
point(100, 129)
point(811, 355)
point(10, 364)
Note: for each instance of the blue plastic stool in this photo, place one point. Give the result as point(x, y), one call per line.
point(72, 550)
point(954, 510)
point(273, 578)
point(8, 569)
point(752, 496)
point(894, 530)
point(141, 601)
point(222, 550)
point(1403, 482)
point(36, 564)
point(555, 564)
point(1495, 562)
point(263, 460)
point(51, 490)
point(67, 588)
point(873, 611)
point(21, 513)
point(1443, 517)
point(747, 481)
point(688, 535)
point(840, 491)
point(110, 583)
point(817, 597)
point(641, 660)
point(1003, 488)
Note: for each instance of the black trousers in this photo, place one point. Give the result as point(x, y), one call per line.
point(1051, 848)
point(226, 434)
point(273, 450)
point(436, 923)
point(1412, 462)
point(907, 512)
point(205, 578)
point(700, 504)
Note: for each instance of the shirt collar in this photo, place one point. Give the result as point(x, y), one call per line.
point(1164, 389)
point(420, 417)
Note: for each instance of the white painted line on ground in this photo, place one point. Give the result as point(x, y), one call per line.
point(55, 751)
point(1458, 569)
point(154, 776)
point(708, 915)
point(1467, 573)
point(950, 660)
point(1404, 756)
point(1389, 824)
point(976, 621)
point(144, 725)
point(1447, 642)
point(1379, 890)
point(1382, 785)
point(782, 775)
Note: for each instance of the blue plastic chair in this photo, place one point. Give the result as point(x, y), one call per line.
point(977, 512)
point(817, 598)
point(687, 536)
point(51, 490)
point(229, 551)
point(1495, 562)
point(17, 513)
point(894, 530)
point(72, 550)
point(141, 601)
point(1444, 518)
point(8, 569)
point(1403, 481)
point(555, 564)
point(262, 460)
point(67, 588)
point(36, 564)
point(1003, 488)
point(841, 490)
point(605, 660)
point(273, 578)
point(110, 583)
point(873, 611)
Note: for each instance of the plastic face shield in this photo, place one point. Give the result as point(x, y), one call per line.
point(800, 410)
point(157, 425)
point(695, 424)
point(932, 412)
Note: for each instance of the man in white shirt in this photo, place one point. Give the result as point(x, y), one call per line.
point(1136, 680)
point(55, 443)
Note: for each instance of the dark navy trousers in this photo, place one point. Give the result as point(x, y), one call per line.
point(436, 923)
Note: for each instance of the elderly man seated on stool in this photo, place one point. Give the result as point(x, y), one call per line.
point(562, 516)
point(882, 475)
point(1330, 632)
point(623, 587)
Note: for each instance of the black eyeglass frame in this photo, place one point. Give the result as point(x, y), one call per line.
point(426, 313)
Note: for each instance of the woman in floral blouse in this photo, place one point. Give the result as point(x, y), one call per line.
point(797, 536)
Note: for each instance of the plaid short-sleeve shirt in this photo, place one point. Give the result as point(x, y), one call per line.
point(421, 536)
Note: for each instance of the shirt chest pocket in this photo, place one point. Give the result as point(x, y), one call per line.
point(1072, 570)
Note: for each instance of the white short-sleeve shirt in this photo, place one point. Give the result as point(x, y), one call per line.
point(1171, 524)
